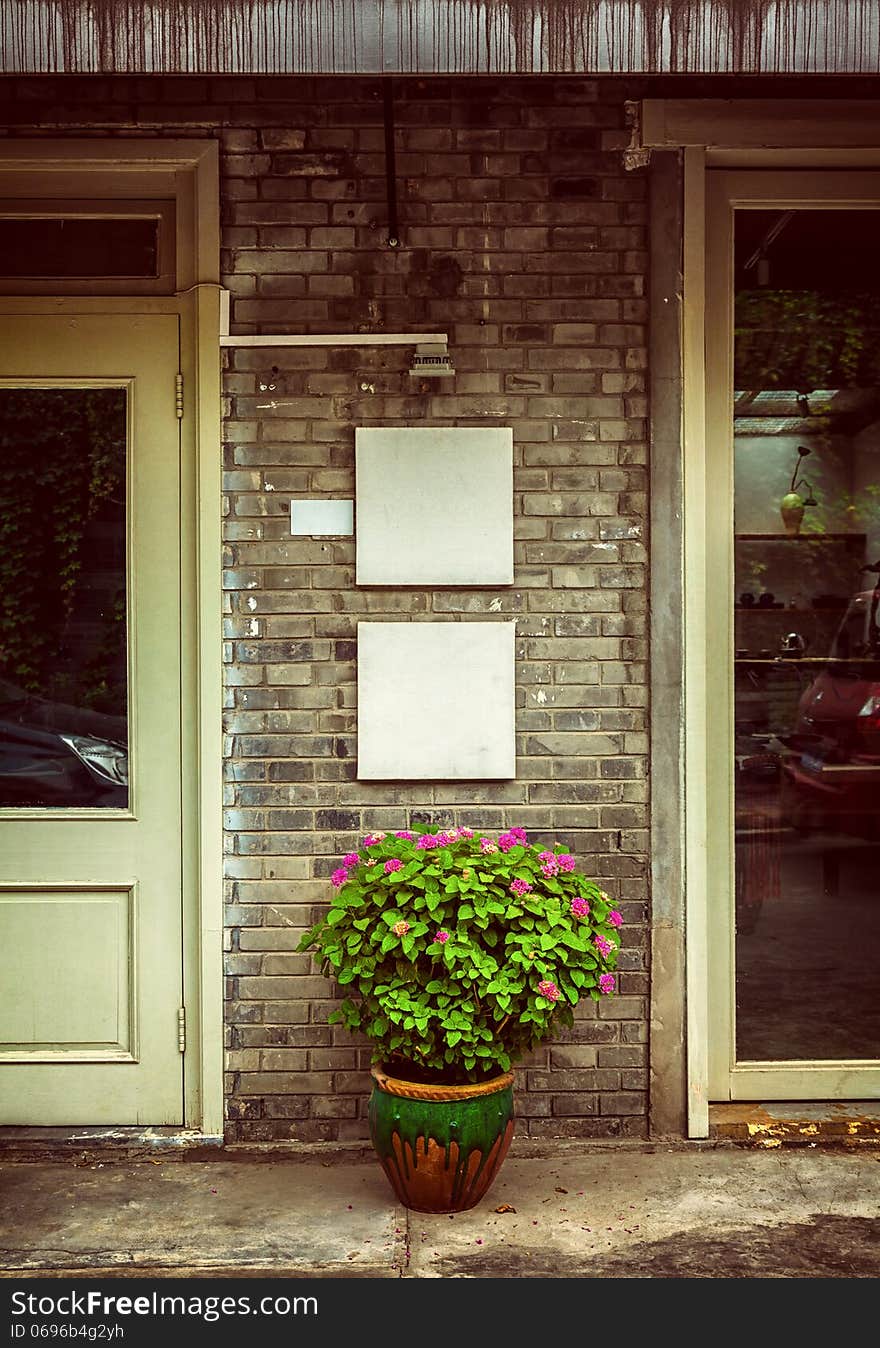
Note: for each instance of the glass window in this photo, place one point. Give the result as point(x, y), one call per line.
point(807, 658)
point(87, 247)
point(76, 246)
point(63, 621)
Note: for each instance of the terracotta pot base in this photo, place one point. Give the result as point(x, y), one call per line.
point(441, 1146)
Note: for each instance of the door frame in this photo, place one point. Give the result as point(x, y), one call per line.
point(729, 1079)
point(810, 134)
point(188, 172)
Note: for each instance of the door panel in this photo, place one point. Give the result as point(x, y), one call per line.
point(90, 758)
point(48, 930)
point(793, 361)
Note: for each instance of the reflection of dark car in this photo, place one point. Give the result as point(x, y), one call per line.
point(832, 767)
point(52, 754)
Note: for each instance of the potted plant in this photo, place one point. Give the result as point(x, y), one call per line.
point(793, 504)
point(464, 952)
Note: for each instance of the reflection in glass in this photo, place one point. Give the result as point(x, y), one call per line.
point(807, 639)
point(63, 694)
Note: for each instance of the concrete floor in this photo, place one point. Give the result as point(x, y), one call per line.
point(577, 1211)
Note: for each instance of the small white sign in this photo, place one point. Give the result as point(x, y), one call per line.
point(319, 518)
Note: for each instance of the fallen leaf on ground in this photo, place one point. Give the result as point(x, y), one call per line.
point(505, 1207)
point(557, 1190)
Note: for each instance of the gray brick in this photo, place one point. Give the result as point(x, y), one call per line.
point(575, 1104)
point(547, 321)
point(623, 1102)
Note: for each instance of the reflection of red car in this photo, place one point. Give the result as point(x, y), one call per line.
point(832, 769)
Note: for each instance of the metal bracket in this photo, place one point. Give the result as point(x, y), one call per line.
point(636, 155)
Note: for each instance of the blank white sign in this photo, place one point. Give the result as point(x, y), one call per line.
point(435, 505)
point(321, 518)
point(436, 701)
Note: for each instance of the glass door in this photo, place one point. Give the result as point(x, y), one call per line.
point(91, 849)
point(794, 332)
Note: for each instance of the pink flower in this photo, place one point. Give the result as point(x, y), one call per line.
point(339, 877)
point(614, 918)
point(400, 928)
point(604, 947)
point(465, 832)
point(428, 840)
point(392, 865)
point(580, 907)
point(487, 845)
point(520, 835)
point(506, 841)
point(606, 984)
point(373, 839)
point(444, 839)
point(566, 862)
point(549, 863)
point(520, 887)
point(350, 859)
point(549, 990)
point(442, 937)
point(404, 833)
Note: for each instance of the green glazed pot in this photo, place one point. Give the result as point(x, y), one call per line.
point(441, 1146)
point(791, 509)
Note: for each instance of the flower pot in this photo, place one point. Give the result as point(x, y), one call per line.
point(441, 1146)
point(792, 511)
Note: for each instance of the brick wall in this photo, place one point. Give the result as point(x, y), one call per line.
point(524, 239)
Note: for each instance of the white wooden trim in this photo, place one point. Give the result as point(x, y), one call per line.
point(756, 123)
point(338, 339)
point(853, 158)
point(203, 971)
point(188, 171)
point(694, 441)
point(719, 567)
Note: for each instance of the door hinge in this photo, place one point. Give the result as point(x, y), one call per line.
point(181, 1029)
point(178, 395)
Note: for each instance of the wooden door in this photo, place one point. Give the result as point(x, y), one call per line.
point(90, 717)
